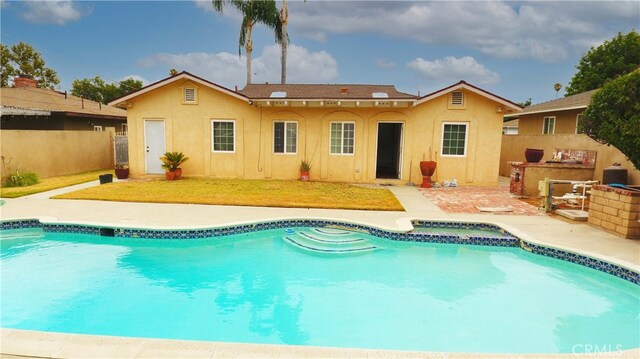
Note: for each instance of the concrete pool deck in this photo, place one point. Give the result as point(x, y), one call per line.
point(575, 237)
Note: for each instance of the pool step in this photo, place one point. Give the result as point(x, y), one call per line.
point(328, 241)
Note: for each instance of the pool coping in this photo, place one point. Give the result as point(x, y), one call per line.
point(26, 343)
point(54, 345)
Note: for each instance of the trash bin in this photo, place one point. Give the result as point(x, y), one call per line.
point(107, 178)
point(614, 174)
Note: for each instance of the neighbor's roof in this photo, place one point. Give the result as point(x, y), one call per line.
point(324, 91)
point(463, 85)
point(573, 102)
point(184, 75)
point(39, 101)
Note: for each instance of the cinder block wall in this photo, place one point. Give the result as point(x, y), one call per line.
point(55, 153)
point(615, 210)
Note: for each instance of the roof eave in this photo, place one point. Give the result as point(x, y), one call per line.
point(122, 101)
point(547, 110)
point(464, 85)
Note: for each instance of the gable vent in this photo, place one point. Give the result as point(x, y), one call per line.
point(189, 95)
point(457, 98)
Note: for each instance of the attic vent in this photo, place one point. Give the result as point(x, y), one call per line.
point(189, 94)
point(344, 90)
point(380, 95)
point(278, 94)
point(457, 98)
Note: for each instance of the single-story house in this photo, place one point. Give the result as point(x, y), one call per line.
point(559, 116)
point(27, 107)
point(349, 133)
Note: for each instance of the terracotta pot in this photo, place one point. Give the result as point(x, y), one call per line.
point(304, 176)
point(428, 168)
point(533, 155)
point(122, 173)
point(171, 175)
point(178, 173)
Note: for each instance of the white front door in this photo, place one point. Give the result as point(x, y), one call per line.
point(154, 145)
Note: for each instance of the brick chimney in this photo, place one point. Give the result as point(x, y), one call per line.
point(23, 81)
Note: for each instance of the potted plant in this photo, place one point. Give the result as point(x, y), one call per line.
point(305, 167)
point(122, 171)
point(171, 162)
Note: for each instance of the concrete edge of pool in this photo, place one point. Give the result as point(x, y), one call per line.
point(26, 343)
point(403, 225)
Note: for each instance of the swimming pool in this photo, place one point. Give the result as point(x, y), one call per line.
point(328, 284)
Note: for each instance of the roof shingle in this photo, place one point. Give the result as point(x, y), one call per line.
point(31, 98)
point(323, 91)
point(570, 102)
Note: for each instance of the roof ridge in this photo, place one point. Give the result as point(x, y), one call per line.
point(562, 98)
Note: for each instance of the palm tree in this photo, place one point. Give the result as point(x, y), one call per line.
point(253, 11)
point(284, 39)
point(557, 86)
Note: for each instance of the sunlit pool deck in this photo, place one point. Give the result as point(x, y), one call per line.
point(541, 229)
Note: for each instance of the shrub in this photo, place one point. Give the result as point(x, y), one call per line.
point(22, 179)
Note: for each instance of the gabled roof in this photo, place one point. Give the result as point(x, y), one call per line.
point(573, 102)
point(324, 92)
point(32, 101)
point(462, 85)
point(121, 102)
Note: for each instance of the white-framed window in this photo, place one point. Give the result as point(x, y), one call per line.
point(223, 135)
point(549, 125)
point(189, 95)
point(578, 119)
point(457, 98)
point(454, 139)
point(342, 140)
point(285, 137)
point(98, 128)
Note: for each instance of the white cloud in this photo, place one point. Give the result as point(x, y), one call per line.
point(384, 64)
point(543, 30)
point(207, 6)
point(452, 69)
point(52, 12)
point(230, 70)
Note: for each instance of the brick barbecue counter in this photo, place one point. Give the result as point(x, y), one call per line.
point(616, 210)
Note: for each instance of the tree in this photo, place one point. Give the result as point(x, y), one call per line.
point(22, 59)
point(284, 41)
point(252, 11)
point(557, 86)
point(96, 89)
point(525, 103)
point(613, 117)
point(613, 58)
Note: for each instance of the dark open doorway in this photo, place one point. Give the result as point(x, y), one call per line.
point(389, 148)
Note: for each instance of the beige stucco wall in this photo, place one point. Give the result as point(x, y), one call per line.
point(565, 122)
point(188, 130)
point(513, 147)
point(56, 153)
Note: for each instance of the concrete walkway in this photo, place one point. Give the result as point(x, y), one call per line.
point(576, 237)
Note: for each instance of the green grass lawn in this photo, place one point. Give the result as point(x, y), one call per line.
point(47, 184)
point(261, 193)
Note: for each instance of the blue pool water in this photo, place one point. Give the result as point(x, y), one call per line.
point(307, 287)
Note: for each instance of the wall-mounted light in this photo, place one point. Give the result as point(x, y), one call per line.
point(499, 109)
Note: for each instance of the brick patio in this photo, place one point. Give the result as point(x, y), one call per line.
point(465, 200)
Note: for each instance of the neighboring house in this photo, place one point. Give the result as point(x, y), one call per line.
point(349, 133)
point(558, 116)
point(27, 107)
point(552, 127)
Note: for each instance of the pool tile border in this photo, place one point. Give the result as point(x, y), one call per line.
point(505, 239)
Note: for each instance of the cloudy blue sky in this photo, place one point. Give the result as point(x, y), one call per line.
point(515, 49)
